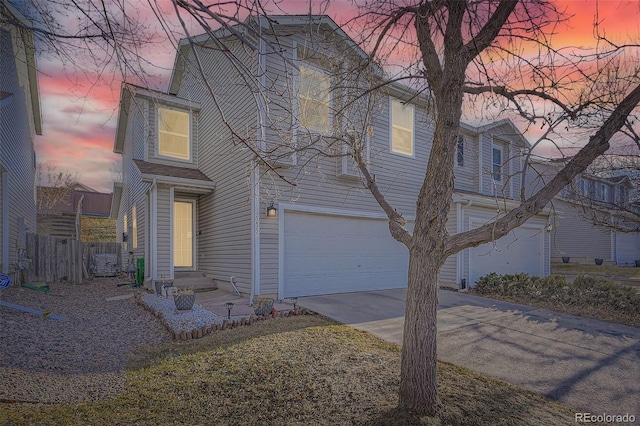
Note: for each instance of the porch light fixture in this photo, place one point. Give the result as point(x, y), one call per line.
point(549, 227)
point(229, 307)
point(271, 211)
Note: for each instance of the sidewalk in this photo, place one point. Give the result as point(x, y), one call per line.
point(216, 302)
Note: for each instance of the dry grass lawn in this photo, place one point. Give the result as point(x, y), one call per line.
point(287, 371)
point(604, 270)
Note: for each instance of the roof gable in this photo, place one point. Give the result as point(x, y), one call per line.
point(503, 127)
point(248, 32)
point(128, 93)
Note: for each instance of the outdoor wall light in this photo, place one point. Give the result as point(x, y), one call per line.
point(271, 211)
point(229, 307)
point(549, 227)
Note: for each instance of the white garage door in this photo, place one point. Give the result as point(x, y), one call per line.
point(519, 251)
point(627, 248)
point(326, 254)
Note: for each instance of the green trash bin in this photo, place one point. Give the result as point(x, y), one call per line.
point(139, 271)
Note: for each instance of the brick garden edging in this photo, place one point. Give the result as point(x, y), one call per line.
point(198, 333)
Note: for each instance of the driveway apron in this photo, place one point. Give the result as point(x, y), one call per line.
point(593, 366)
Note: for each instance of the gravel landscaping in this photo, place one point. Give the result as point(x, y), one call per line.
point(289, 370)
point(179, 321)
point(49, 361)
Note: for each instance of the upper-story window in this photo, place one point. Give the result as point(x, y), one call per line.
point(174, 134)
point(608, 194)
point(496, 161)
point(314, 100)
point(603, 192)
point(460, 151)
point(402, 128)
point(584, 187)
point(621, 196)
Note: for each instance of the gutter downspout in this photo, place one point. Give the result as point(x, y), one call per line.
point(460, 208)
point(255, 174)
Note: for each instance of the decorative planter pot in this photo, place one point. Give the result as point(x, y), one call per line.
point(184, 302)
point(599, 261)
point(262, 305)
point(637, 263)
point(565, 259)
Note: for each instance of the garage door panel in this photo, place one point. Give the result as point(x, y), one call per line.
point(326, 254)
point(627, 248)
point(328, 242)
point(519, 251)
point(347, 262)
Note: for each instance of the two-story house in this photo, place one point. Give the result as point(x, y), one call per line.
point(590, 216)
point(19, 122)
point(222, 174)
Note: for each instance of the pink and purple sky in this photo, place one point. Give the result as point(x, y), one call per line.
point(79, 118)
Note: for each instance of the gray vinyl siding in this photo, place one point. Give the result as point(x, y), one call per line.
point(268, 252)
point(133, 189)
point(466, 176)
point(538, 175)
point(224, 216)
point(16, 136)
point(512, 148)
point(448, 272)
point(398, 177)
point(163, 236)
point(575, 236)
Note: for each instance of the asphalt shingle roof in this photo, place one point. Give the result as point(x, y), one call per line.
point(171, 171)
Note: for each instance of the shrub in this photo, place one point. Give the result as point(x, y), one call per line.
point(585, 290)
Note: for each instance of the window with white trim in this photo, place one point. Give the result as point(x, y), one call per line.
point(402, 128)
point(496, 161)
point(314, 100)
point(608, 194)
point(174, 131)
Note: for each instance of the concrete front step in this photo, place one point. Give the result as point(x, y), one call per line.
point(198, 284)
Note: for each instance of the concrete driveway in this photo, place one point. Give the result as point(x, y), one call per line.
point(591, 365)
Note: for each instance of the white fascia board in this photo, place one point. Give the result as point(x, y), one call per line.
point(282, 207)
point(115, 200)
point(166, 98)
point(123, 117)
point(487, 202)
point(192, 185)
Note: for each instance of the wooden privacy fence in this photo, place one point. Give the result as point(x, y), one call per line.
point(53, 259)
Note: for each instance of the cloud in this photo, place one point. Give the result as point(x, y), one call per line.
point(80, 106)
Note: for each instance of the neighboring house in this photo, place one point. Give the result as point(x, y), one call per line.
point(194, 198)
point(20, 121)
point(590, 216)
point(76, 212)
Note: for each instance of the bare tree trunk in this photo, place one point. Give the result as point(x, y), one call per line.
point(418, 385)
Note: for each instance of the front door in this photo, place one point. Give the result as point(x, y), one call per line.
point(183, 244)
